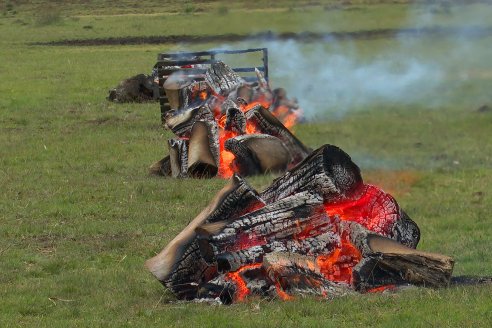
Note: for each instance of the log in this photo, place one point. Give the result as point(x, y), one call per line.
point(203, 150)
point(175, 89)
point(222, 79)
point(300, 274)
point(292, 217)
point(406, 231)
point(235, 119)
point(162, 167)
point(180, 122)
point(181, 254)
point(269, 124)
point(386, 261)
point(258, 154)
point(328, 171)
point(178, 157)
point(322, 244)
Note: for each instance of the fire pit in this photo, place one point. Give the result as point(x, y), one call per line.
point(318, 230)
point(225, 125)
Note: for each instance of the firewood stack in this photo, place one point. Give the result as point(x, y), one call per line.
point(223, 125)
point(316, 230)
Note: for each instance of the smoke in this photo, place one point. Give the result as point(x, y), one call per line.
point(330, 81)
point(331, 77)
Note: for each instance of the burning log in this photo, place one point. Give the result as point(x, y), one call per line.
point(258, 153)
point(268, 124)
point(281, 220)
point(179, 265)
point(300, 274)
point(386, 261)
point(232, 261)
point(222, 79)
point(328, 171)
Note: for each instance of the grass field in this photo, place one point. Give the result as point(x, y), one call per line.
point(79, 214)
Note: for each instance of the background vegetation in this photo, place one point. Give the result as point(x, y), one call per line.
point(79, 214)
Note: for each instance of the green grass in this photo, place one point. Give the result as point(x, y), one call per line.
point(79, 214)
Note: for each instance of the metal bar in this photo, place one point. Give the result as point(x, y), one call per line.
point(207, 53)
point(265, 62)
point(184, 62)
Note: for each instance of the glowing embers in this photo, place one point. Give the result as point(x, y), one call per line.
point(316, 230)
point(338, 265)
point(372, 208)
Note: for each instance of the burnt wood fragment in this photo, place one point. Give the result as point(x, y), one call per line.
point(235, 119)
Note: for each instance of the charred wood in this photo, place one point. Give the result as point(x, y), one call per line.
point(269, 124)
point(322, 244)
point(181, 254)
point(162, 167)
point(328, 171)
point(300, 274)
point(299, 214)
point(387, 261)
point(180, 122)
point(258, 154)
point(222, 79)
point(178, 157)
point(203, 150)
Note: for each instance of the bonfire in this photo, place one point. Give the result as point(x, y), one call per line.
point(226, 125)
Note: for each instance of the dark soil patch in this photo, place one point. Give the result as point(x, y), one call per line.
point(470, 32)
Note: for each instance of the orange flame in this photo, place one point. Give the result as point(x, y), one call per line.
point(381, 289)
point(241, 287)
point(338, 265)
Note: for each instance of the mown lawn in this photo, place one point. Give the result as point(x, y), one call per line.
point(80, 215)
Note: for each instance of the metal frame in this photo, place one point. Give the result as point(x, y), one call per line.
point(166, 60)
